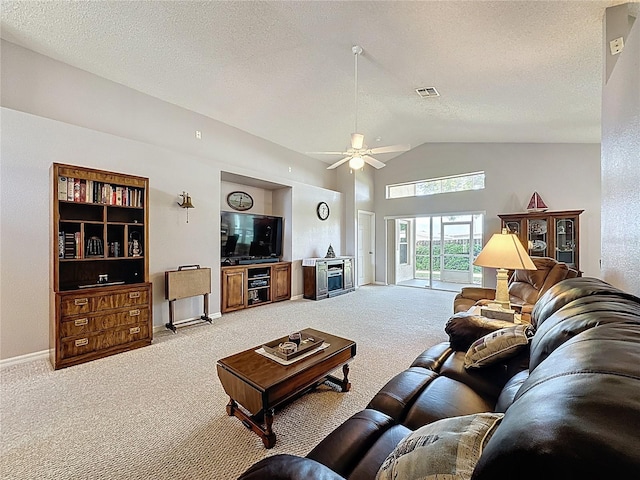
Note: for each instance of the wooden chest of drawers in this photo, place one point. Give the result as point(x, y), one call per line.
point(96, 323)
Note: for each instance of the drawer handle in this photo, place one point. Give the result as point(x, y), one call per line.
point(134, 313)
point(82, 342)
point(133, 330)
point(134, 294)
point(81, 321)
point(81, 301)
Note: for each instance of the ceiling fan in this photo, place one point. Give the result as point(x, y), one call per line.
point(359, 153)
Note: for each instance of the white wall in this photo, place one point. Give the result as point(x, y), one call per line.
point(53, 112)
point(312, 236)
point(621, 152)
point(42, 86)
point(567, 176)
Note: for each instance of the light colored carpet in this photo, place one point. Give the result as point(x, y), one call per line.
point(159, 412)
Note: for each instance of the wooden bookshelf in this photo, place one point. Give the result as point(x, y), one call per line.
point(100, 290)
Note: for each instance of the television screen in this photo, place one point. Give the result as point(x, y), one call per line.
point(250, 235)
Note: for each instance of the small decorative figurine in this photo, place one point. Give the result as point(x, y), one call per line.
point(536, 204)
point(330, 253)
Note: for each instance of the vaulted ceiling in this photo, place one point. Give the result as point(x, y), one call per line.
point(506, 71)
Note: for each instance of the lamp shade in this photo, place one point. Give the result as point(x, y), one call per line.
point(504, 250)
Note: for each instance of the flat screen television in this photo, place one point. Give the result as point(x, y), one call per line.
point(250, 236)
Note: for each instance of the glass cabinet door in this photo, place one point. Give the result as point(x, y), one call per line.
point(537, 238)
point(512, 226)
point(565, 241)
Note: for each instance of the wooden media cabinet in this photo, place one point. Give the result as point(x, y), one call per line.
point(245, 286)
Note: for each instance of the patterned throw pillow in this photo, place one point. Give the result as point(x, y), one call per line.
point(498, 345)
point(447, 449)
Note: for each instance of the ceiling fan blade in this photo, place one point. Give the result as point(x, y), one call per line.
point(390, 149)
point(339, 162)
point(325, 153)
point(372, 161)
point(357, 141)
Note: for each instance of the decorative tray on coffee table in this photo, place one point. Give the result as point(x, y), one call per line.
point(307, 343)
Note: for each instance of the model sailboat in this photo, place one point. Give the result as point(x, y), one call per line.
point(536, 204)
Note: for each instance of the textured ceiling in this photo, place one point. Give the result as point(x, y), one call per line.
point(507, 71)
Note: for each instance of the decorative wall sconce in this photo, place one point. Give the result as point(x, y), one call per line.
point(186, 202)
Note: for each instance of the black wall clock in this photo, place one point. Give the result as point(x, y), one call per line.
point(323, 211)
point(240, 201)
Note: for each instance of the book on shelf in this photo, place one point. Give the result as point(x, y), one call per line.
point(76, 190)
point(62, 188)
point(83, 191)
point(69, 245)
point(70, 183)
point(91, 191)
point(61, 243)
point(78, 245)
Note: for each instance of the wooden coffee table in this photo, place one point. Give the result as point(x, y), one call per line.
point(260, 384)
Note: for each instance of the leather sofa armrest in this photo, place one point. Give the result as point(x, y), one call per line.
point(344, 448)
point(470, 296)
point(477, 293)
point(289, 467)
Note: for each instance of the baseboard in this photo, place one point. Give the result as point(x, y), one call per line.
point(188, 321)
point(297, 297)
point(29, 357)
point(380, 283)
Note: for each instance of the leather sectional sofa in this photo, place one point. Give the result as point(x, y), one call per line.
point(571, 400)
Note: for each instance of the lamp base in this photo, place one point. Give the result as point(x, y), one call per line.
point(502, 288)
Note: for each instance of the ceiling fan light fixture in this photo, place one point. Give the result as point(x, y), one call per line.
point(357, 141)
point(356, 163)
point(357, 155)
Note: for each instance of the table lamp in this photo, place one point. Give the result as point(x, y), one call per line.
point(504, 252)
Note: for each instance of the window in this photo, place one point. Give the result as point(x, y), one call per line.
point(433, 186)
point(403, 243)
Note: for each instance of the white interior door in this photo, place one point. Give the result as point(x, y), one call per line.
point(366, 242)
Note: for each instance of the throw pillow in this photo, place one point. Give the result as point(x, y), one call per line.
point(498, 345)
point(448, 448)
point(465, 328)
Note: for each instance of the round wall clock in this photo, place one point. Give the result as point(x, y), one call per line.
point(240, 201)
point(323, 211)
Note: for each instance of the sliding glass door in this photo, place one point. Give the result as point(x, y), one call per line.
point(438, 251)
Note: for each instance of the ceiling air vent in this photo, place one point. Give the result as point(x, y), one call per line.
point(427, 92)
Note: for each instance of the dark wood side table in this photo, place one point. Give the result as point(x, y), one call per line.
point(259, 384)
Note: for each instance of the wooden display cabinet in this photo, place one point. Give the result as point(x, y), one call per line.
point(548, 234)
point(100, 290)
point(246, 286)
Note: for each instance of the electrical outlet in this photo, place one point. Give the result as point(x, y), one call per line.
point(616, 45)
point(198, 134)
